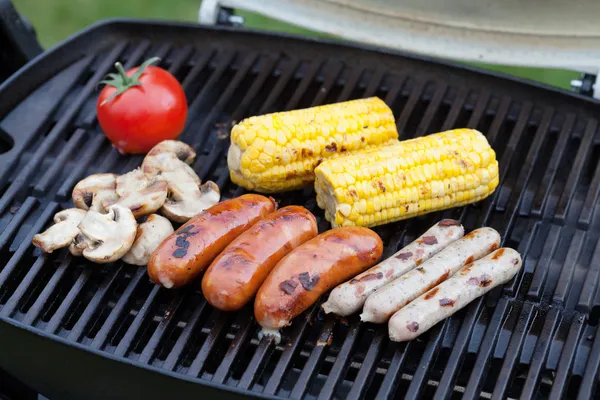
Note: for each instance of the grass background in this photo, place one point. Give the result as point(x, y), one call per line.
point(55, 20)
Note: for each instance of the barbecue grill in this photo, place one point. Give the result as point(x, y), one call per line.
point(72, 329)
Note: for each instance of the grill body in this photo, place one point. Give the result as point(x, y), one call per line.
point(71, 329)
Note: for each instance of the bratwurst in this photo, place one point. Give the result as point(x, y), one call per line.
point(235, 275)
point(187, 252)
point(310, 270)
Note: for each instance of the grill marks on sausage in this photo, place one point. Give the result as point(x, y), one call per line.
point(449, 222)
point(446, 302)
point(493, 247)
point(469, 260)
point(412, 326)
point(307, 282)
point(288, 286)
point(483, 280)
point(370, 277)
point(404, 256)
point(498, 254)
point(431, 293)
point(182, 242)
point(420, 269)
point(428, 240)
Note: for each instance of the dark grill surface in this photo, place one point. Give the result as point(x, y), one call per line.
point(535, 337)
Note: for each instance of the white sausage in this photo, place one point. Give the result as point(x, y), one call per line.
point(448, 297)
point(382, 304)
point(350, 296)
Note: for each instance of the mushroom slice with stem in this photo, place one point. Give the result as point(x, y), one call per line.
point(169, 155)
point(149, 235)
point(143, 194)
point(91, 192)
point(107, 237)
point(62, 233)
point(187, 197)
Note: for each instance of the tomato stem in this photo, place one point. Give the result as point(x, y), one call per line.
point(122, 82)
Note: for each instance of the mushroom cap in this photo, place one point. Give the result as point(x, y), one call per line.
point(150, 235)
point(109, 236)
point(62, 233)
point(186, 197)
point(168, 155)
point(91, 192)
point(143, 194)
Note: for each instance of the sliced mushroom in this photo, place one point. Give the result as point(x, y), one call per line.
point(79, 243)
point(91, 192)
point(169, 155)
point(143, 194)
point(107, 237)
point(62, 233)
point(149, 235)
point(186, 197)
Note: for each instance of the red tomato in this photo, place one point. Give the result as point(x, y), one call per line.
point(137, 111)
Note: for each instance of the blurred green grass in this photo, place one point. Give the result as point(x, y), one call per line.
point(55, 20)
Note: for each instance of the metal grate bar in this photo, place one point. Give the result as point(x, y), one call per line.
point(374, 83)
point(286, 359)
point(224, 97)
point(67, 303)
point(109, 323)
point(133, 329)
point(407, 111)
point(590, 377)
point(457, 107)
point(93, 304)
point(368, 366)
point(184, 338)
point(499, 119)
point(306, 81)
point(253, 371)
point(514, 350)
point(566, 358)
point(281, 84)
point(543, 265)
point(432, 109)
point(180, 57)
point(218, 330)
point(58, 165)
point(266, 66)
point(247, 328)
point(540, 353)
point(480, 368)
point(58, 130)
point(390, 381)
point(314, 360)
point(393, 93)
point(77, 172)
point(167, 320)
point(482, 102)
point(35, 310)
point(574, 176)
point(26, 243)
point(446, 384)
point(339, 368)
point(328, 83)
point(545, 188)
point(420, 377)
point(590, 282)
point(12, 302)
point(17, 220)
point(566, 276)
point(355, 75)
point(591, 200)
point(198, 67)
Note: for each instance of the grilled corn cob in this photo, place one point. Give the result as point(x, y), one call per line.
point(279, 152)
point(407, 179)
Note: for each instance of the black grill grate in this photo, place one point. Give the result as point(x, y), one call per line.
point(536, 337)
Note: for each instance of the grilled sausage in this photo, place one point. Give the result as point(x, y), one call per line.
point(349, 297)
point(448, 297)
point(310, 270)
point(182, 256)
point(235, 275)
point(382, 304)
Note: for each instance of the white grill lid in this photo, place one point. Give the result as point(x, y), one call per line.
point(535, 33)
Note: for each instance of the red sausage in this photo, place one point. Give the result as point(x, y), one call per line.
point(310, 270)
point(235, 275)
point(187, 252)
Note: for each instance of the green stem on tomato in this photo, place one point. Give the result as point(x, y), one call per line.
point(122, 82)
